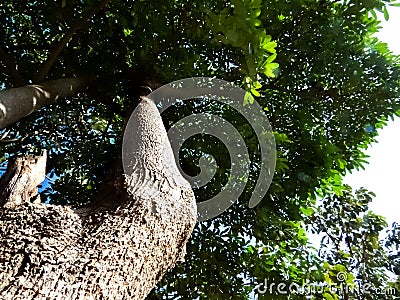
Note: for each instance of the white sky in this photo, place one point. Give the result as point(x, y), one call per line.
point(382, 174)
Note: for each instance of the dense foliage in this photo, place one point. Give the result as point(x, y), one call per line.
point(324, 81)
point(352, 247)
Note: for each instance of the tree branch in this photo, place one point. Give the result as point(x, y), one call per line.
point(115, 251)
point(42, 73)
point(17, 103)
point(11, 68)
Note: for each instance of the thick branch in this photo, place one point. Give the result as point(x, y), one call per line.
point(55, 252)
point(17, 103)
point(11, 68)
point(44, 70)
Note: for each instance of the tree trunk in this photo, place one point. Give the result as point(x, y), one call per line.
point(20, 102)
point(113, 251)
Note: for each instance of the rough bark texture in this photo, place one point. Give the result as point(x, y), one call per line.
point(20, 182)
point(114, 251)
point(20, 102)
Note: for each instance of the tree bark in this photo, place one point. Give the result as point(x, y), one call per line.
point(114, 251)
point(20, 182)
point(17, 103)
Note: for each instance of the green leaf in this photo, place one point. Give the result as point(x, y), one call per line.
point(271, 58)
point(307, 211)
point(127, 32)
point(373, 13)
point(265, 39)
point(256, 84)
point(281, 138)
point(270, 68)
point(281, 165)
point(255, 92)
point(328, 296)
point(385, 13)
point(248, 98)
point(256, 22)
point(250, 249)
point(256, 13)
point(342, 163)
point(270, 47)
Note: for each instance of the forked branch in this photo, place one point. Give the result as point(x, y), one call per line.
point(119, 252)
point(44, 70)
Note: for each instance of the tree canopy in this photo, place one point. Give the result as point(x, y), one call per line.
point(324, 81)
